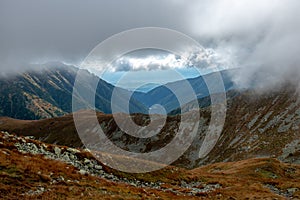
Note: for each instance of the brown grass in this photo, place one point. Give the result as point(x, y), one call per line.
point(22, 173)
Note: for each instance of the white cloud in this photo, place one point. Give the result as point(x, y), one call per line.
point(202, 59)
point(148, 63)
point(261, 36)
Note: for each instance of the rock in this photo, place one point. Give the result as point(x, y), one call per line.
point(77, 164)
point(72, 150)
point(5, 137)
point(86, 150)
point(83, 172)
point(72, 157)
point(6, 133)
point(57, 151)
point(133, 184)
point(86, 161)
point(43, 151)
point(65, 157)
point(98, 167)
point(31, 148)
point(17, 145)
point(29, 137)
point(90, 166)
point(110, 176)
point(39, 191)
point(292, 190)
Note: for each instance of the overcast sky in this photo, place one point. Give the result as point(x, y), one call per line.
point(257, 35)
point(68, 30)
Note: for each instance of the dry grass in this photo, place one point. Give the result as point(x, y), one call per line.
point(248, 178)
point(22, 174)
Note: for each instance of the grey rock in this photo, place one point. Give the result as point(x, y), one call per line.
point(110, 176)
point(32, 148)
point(86, 161)
point(72, 157)
point(57, 151)
point(291, 191)
point(83, 172)
point(98, 167)
point(65, 157)
point(29, 137)
point(72, 150)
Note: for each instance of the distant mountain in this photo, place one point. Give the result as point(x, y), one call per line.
point(204, 102)
point(48, 93)
point(147, 87)
point(163, 96)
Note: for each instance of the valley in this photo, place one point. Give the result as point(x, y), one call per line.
point(138, 100)
point(259, 145)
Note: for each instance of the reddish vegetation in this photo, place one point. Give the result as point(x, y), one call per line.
point(248, 178)
point(22, 176)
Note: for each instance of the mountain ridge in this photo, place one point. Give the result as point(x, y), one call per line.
point(47, 92)
point(257, 124)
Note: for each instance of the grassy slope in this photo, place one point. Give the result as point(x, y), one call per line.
point(21, 176)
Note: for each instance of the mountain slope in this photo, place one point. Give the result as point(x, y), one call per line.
point(30, 169)
point(48, 93)
point(257, 125)
point(163, 96)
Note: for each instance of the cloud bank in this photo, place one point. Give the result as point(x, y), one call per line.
point(261, 37)
point(206, 59)
point(35, 31)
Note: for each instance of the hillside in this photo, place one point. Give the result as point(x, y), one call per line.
point(48, 93)
point(30, 169)
point(259, 146)
point(257, 125)
point(162, 95)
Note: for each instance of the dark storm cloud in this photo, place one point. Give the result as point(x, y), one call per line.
point(256, 35)
point(41, 31)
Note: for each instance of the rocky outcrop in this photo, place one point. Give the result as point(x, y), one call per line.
point(87, 165)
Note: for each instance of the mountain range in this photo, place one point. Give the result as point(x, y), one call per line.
point(256, 156)
point(48, 93)
point(257, 125)
point(162, 95)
